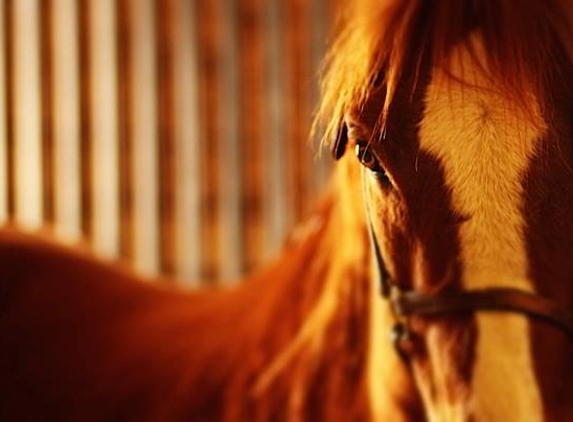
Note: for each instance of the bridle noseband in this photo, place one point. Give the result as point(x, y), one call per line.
point(405, 304)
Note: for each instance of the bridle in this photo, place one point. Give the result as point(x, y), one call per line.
point(406, 304)
point(410, 303)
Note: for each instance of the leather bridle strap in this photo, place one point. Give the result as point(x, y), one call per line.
point(384, 280)
point(490, 299)
point(494, 299)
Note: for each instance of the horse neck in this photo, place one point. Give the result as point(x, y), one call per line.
point(323, 350)
point(304, 324)
point(306, 337)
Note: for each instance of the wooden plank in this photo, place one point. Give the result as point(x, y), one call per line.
point(144, 133)
point(47, 101)
point(66, 109)
point(166, 157)
point(27, 114)
point(125, 137)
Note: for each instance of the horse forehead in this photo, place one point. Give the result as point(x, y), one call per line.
point(485, 144)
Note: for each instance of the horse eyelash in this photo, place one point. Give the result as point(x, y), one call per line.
point(340, 143)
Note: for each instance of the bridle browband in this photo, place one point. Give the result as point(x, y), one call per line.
point(405, 304)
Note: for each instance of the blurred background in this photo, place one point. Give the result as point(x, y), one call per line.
point(173, 134)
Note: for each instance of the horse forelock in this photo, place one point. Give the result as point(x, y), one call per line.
point(381, 41)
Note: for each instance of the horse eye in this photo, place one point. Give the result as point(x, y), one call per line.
point(369, 160)
point(366, 158)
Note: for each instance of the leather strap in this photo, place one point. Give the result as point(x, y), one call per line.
point(490, 299)
point(384, 280)
point(494, 299)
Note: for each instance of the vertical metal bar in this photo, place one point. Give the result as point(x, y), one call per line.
point(144, 132)
point(125, 139)
point(9, 104)
point(3, 122)
point(320, 30)
point(279, 214)
point(208, 13)
point(9, 108)
point(47, 101)
point(66, 109)
point(252, 128)
point(86, 122)
point(104, 128)
point(297, 111)
point(164, 43)
point(27, 114)
point(230, 160)
point(187, 138)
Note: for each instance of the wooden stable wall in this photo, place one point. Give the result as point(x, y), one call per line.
point(171, 133)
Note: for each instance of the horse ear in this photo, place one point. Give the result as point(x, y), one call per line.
point(339, 144)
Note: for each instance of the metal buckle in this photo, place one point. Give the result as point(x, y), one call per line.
point(400, 334)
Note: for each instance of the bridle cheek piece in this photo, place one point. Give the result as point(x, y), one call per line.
point(407, 304)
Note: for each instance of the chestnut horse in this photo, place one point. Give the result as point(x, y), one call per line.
point(461, 113)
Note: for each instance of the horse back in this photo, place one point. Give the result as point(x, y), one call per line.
point(83, 340)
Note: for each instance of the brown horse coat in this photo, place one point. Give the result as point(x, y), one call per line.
point(84, 340)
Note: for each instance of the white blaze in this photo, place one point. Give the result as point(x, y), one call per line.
point(485, 143)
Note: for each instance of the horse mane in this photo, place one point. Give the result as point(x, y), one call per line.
point(380, 39)
point(312, 333)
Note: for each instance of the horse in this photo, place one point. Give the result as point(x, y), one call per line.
point(456, 203)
